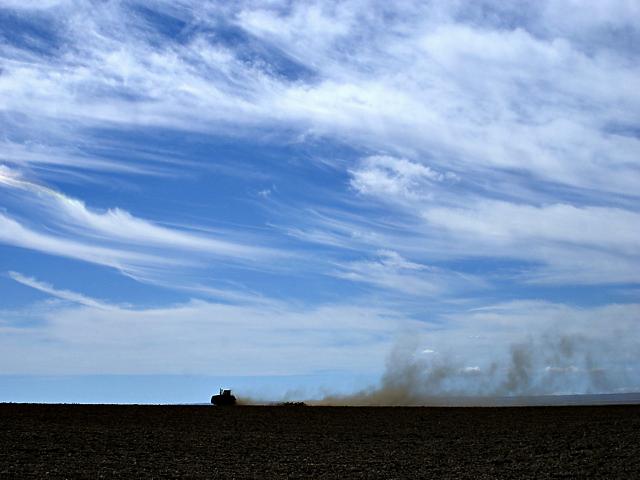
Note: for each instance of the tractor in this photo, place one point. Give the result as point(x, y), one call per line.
point(224, 398)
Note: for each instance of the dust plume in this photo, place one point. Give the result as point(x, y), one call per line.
point(550, 365)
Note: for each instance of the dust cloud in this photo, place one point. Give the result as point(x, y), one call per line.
point(530, 373)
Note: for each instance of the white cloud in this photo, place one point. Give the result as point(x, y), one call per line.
point(62, 294)
point(422, 82)
point(574, 244)
point(394, 178)
point(14, 233)
point(478, 97)
point(506, 223)
point(31, 4)
point(263, 339)
point(119, 225)
point(518, 321)
point(48, 157)
point(556, 243)
point(391, 272)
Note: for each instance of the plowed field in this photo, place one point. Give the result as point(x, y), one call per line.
point(102, 441)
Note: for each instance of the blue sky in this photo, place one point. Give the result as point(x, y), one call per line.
point(283, 191)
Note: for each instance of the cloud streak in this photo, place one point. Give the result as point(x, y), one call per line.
point(62, 294)
point(115, 237)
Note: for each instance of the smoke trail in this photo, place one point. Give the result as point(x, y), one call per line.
point(551, 365)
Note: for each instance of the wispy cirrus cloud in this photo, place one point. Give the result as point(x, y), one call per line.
point(393, 273)
point(115, 237)
point(61, 294)
point(31, 4)
point(44, 158)
point(16, 234)
point(471, 96)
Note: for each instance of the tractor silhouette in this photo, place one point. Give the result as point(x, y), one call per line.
point(224, 398)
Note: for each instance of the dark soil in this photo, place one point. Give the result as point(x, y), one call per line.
point(102, 441)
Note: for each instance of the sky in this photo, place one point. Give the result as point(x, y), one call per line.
point(276, 194)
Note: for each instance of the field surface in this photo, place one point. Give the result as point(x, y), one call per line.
point(102, 441)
